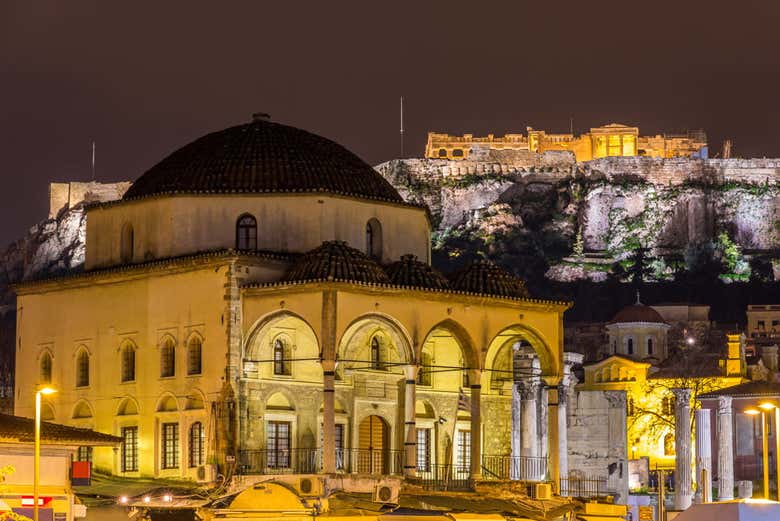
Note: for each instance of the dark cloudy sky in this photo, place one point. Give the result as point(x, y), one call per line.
point(143, 78)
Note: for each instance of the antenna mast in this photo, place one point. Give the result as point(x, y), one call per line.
point(402, 127)
point(93, 161)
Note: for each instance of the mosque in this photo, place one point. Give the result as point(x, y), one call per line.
point(261, 301)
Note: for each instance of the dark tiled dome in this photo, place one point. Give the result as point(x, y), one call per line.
point(484, 276)
point(411, 272)
point(263, 157)
point(638, 313)
point(334, 260)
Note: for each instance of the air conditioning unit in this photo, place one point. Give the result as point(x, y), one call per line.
point(542, 491)
point(385, 493)
point(207, 473)
point(310, 487)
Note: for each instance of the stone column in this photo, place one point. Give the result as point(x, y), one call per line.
point(514, 468)
point(475, 377)
point(410, 441)
point(528, 437)
point(329, 417)
point(725, 435)
point(542, 438)
point(617, 446)
point(682, 449)
point(553, 456)
point(703, 457)
point(567, 385)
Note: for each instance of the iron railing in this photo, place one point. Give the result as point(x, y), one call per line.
point(371, 461)
point(519, 468)
point(444, 477)
point(584, 487)
point(279, 461)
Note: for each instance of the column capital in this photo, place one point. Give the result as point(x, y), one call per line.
point(724, 404)
point(529, 390)
point(410, 371)
point(682, 395)
point(475, 376)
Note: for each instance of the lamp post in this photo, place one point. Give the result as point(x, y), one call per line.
point(37, 453)
point(764, 443)
point(768, 406)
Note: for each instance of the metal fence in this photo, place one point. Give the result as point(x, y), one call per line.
point(444, 477)
point(584, 487)
point(520, 468)
point(279, 461)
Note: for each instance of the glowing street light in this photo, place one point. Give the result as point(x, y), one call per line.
point(37, 452)
point(768, 406)
point(753, 411)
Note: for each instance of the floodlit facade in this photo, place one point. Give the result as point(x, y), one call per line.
point(613, 140)
point(261, 302)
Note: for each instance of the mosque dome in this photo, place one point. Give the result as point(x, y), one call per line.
point(334, 260)
point(637, 313)
point(410, 272)
point(263, 157)
point(484, 276)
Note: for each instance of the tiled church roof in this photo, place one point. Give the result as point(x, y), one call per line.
point(484, 276)
point(638, 313)
point(18, 429)
point(263, 157)
point(334, 260)
point(410, 272)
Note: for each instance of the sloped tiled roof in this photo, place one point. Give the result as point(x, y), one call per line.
point(334, 260)
point(756, 388)
point(18, 429)
point(486, 277)
point(410, 272)
point(263, 157)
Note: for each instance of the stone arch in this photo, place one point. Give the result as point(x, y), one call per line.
point(195, 400)
point(82, 409)
point(194, 353)
point(47, 412)
point(45, 366)
point(424, 409)
point(549, 358)
point(127, 407)
point(167, 403)
point(355, 341)
point(468, 350)
point(262, 325)
point(280, 400)
point(302, 342)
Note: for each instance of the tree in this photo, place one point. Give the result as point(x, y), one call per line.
point(640, 269)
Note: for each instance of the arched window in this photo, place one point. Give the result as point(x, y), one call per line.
point(649, 346)
point(376, 354)
point(168, 358)
point(246, 233)
point(442, 152)
point(194, 353)
point(630, 346)
point(197, 444)
point(82, 368)
point(127, 243)
point(281, 365)
point(374, 239)
point(458, 152)
point(424, 373)
point(128, 363)
point(46, 368)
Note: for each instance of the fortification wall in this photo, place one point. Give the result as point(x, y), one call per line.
point(68, 195)
point(677, 171)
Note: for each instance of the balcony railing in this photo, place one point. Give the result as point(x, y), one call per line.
point(309, 461)
point(444, 477)
point(519, 468)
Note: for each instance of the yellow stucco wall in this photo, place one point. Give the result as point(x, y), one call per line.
point(171, 226)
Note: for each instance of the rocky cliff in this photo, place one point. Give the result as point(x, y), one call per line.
point(589, 220)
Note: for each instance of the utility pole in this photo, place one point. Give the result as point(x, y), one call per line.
point(93, 161)
point(402, 127)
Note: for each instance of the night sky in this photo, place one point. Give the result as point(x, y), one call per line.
point(144, 78)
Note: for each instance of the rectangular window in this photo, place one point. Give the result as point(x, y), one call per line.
point(339, 439)
point(84, 454)
point(464, 451)
point(278, 435)
point(197, 444)
point(129, 449)
point(170, 446)
point(424, 450)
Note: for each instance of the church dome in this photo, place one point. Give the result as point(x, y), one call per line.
point(334, 260)
point(484, 276)
point(410, 272)
point(637, 313)
point(263, 157)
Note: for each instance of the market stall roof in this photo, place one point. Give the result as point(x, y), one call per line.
point(739, 510)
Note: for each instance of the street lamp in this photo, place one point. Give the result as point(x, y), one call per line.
point(767, 406)
point(37, 453)
point(764, 444)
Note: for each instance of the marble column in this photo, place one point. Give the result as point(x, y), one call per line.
point(553, 456)
point(703, 457)
point(475, 377)
point(682, 449)
point(725, 436)
point(617, 445)
point(410, 440)
point(567, 385)
point(542, 431)
point(528, 436)
point(329, 417)
point(514, 468)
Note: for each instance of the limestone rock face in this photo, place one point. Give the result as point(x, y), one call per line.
point(529, 217)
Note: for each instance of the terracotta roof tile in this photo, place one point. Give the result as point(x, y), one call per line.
point(21, 429)
point(486, 277)
point(410, 272)
point(334, 260)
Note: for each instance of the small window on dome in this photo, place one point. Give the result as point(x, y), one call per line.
point(246, 233)
point(457, 152)
point(630, 346)
point(374, 239)
point(127, 243)
point(442, 152)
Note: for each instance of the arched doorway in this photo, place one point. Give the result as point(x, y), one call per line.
point(373, 445)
